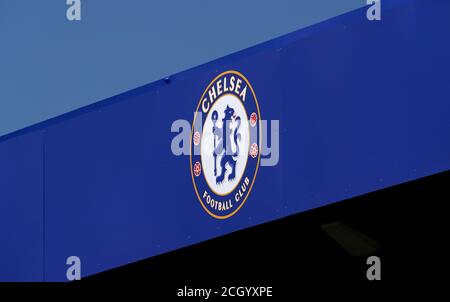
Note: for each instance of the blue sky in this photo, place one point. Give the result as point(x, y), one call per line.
point(49, 66)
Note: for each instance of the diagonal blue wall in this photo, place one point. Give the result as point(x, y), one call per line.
point(22, 208)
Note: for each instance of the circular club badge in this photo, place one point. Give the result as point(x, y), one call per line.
point(225, 144)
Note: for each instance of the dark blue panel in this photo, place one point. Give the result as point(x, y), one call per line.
point(114, 191)
point(370, 104)
point(21, 208)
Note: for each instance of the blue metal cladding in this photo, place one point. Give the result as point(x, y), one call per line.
point(362, 106)
point(21, 208)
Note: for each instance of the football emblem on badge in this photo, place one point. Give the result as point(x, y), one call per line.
point(224, 146)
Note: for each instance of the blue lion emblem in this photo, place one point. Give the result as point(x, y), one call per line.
point(225, 135)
